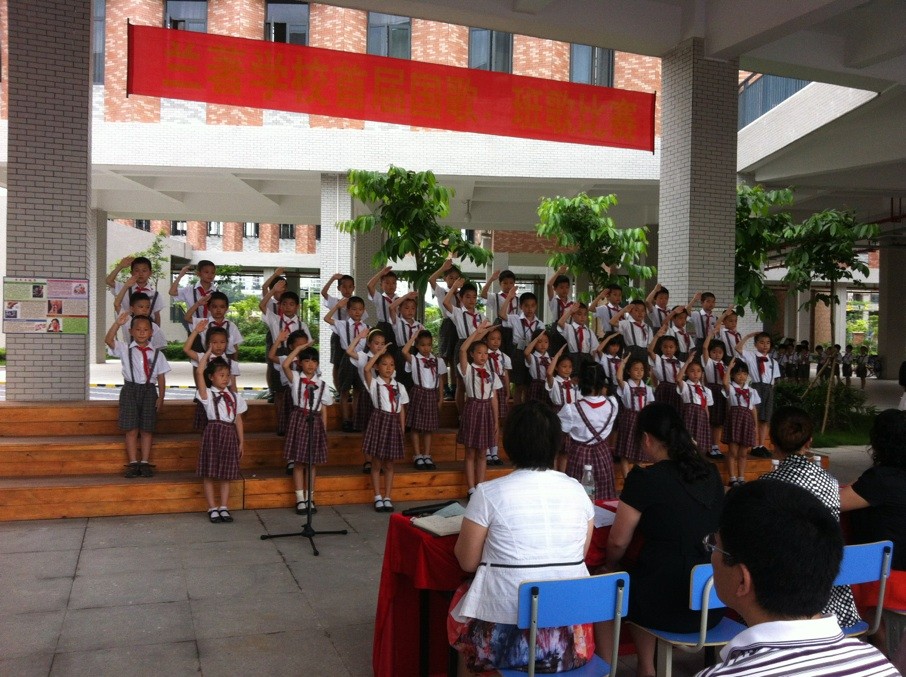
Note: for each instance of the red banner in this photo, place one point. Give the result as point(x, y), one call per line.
point(260, 74)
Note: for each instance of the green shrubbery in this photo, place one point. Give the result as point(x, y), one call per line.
point(847, 404)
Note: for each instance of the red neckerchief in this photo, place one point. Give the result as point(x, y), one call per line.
point(641, 394)
point(286, 324)
point(580, 337)
point(203, 292)
point(483, 376)
point(742, 392)
point(595, 405)
point(474, 317)
point(494, 356)
point(566, 390)
point(145, 362)
point(672, 362)
point(430, 363)
point(719, 366)
point(701, 395)
point(761, 362)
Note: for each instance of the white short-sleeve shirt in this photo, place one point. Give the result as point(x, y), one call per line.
point(389, 397)
point(563, 391)
point(579, 337)
point(697, 394)
point(157, 301)
point(190, 295)
point(665, 369)
point(523, 328)
point(133, 364)
point(742, 396)
point(313, 395)
point(234, 338)
point(762, 368)
point(591, 420)
point(635, 333)
point(223, 405)
point(480, 382)
point(426, 371)
point(158, 340)
point(635, 395)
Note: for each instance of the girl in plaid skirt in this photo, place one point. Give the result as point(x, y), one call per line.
point(480, 417)
point(222, 439)
point(502, 365)
point(563, 393)
point(587, 424)
point(306, 433)
point(635, 395)
point(374, 341)
point(217, 339)
point(427, 395)
point(696, 400)
point(383, 441)
point(742, 418)
point(713, 352)
point(665, 366)
point(537, 360)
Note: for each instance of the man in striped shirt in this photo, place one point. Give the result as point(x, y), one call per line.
point(775, 558)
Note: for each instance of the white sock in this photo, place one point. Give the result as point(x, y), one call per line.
point(488, 453)
point(300, 495)
point(377, 497)
point(223, 507)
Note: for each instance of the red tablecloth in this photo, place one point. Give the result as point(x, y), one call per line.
point(416, 562)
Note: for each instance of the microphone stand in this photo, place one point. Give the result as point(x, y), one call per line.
point(308, 531)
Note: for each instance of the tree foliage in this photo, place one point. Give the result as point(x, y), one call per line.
point(408, 207)
point(587, 240)
point(760, 225)
point(156, 253)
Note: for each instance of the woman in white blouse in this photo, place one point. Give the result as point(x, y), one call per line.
point(534, 524)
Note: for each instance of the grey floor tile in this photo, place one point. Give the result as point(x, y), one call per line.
point(129, 559)
point(117, 626)
point(341, 593)
point(118, 532)
point(27, 634)
point(354, 643)
point(39, 565)
point(307, 652)
point(196, 528)
point(252, 614)
point(24, 594)
point(243, 579)
point(42, 536)
point(229, 553)
point(177, 658)
point(128, 588)
point(36, 665)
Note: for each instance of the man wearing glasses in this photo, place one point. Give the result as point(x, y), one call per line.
point(775, 558)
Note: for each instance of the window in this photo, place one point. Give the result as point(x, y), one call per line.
point(490, 50)
point(287, 231)
point(143, 224)
point(591, 65)
point(250, 229)
point(178, 228)
point(98, 13)
point(389, 35)
point(187, 15)
point(287, 21)
point(215, 228)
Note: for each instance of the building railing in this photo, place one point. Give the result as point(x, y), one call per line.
point(760, 93)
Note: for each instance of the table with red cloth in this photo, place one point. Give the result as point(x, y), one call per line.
point(418, 577)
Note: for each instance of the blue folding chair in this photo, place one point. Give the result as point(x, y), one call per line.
point(550, 604)
point(864, 564)
point(702, 597)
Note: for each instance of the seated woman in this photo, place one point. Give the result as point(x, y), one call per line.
point(879, 499)
point(674, 504)
point(534, 524)
point(791, 432)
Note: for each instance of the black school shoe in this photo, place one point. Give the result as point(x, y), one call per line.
point(145, 469)
point(760, 452)
point(132, 471)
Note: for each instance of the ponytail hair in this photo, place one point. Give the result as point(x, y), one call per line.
point(664, 423)
point(593, 379)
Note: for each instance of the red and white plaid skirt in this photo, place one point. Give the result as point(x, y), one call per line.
point(363, 409)
point(477, 426)
point(219, 455)
point(422, 414)
point(503, 403)
point(740, 427)
point(383, 436)
point(696, 419)
point(600, 459)
point(295, 447)
point(538, 392)
point(717, 412)
point(666, 393)
point(628, 440)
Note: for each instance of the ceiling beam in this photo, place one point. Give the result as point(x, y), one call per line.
point(877, 36)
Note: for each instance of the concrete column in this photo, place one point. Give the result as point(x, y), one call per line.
point(49, 182)
point(232, 236)
point(697, 203)
point(197, 234)
point(100, 299)
point(337, 249)
point(268, 237)
point(891, 318)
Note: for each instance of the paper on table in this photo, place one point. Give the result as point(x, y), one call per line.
point(603, 517)
point(451, 510)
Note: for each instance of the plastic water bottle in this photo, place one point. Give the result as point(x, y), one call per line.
point(775, 463)
point(588, 481)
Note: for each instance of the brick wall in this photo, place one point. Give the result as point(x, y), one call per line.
point(159, 226)
point(305, 239)
point(4, 61)
point(197, 234)
point(642, 74)
point(118, 108)
point(342, 29)
point(268, 238)
point(520, 242)
point(232, 236)
point(539, 58)
point(240, 19)
point(440, 43)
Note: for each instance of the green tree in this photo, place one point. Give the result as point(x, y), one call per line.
point(156, 253)
point(760, 224)
point(823, 249)
point(587, 241)
point(408, 206)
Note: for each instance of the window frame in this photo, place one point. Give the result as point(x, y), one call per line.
point(377, 47)
point(495, 40)
point(189, 23)
point(597, 56)
point(269, 25)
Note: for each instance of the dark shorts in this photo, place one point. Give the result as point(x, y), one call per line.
point(766, 408)
point(138, 406)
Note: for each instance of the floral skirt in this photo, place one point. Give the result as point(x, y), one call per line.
point(491, 646)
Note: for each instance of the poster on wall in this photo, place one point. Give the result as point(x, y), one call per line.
point(34, 305)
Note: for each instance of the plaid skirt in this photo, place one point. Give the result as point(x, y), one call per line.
point(503, 403)
point(283, 398)
point(717, 412)
point(363, 409)
point(538, 393)
point(696, 420)
point(347, 374)
point(295, 447)
point(201, 417)
point(138, 406)
point(383, 438)
point(600, 459)
point(740, 427)
point(219, 455)
point(766, 393)
point(448, 338)
point(477, 425)
point(628, 441)
point(666, 393)
point(422, 414)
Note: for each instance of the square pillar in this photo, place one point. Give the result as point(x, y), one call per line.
point(891, 318)
point(49, 233)
point(697, 206)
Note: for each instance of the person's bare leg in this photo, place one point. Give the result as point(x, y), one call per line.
point(388, 478)
point(224, 492)
point(146, 440)
point(604, 639)
point(208, 484)
point(645, 645)
point(132, 445)
point(481, 467)
point(470, 467)
point(733, 459)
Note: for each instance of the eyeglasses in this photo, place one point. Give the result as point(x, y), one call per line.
point(709, 543)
